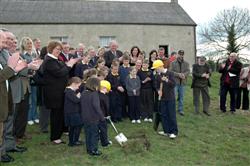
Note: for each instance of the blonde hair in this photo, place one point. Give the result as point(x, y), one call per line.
point(24, 43)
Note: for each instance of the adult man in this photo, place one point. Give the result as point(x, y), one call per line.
point(200, 84)
point(162, 57)
point(64, 55)
point(181, 70)
point(16, 88)
point(37, 45)
point(229, 81)
point(112, 53)
point(13, 65)
point(80, 50)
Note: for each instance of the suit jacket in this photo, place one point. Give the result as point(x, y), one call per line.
point(5, 74)
point(235, 69)
point(62, 57)
point(180, 67)
point(109, 56)
point(55, 77)
point(16, 83)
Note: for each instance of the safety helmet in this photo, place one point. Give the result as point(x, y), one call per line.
point(105, 84)
point(157, 64)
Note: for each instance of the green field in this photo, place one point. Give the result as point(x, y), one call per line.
point(221, 139)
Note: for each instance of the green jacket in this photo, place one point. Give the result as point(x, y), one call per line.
point(5, 74)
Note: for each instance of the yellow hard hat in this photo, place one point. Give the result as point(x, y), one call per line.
point(157, 64)
point(105, 84)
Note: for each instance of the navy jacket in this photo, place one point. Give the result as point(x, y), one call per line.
point(71, 102)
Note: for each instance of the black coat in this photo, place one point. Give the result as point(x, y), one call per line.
point(91, 112)
point(109, 56)
point(55, 76)
point(235, 69)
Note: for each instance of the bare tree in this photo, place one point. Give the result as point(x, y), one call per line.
point(229, 30)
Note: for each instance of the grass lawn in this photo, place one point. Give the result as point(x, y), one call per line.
point(221, 139)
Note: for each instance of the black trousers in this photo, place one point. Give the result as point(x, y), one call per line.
point(56, 123)
point(21, 117)
point(74, 133)
point(147, 103)
point(103, 130)
point(134, 107)
point(245, 99)
point(223, 97)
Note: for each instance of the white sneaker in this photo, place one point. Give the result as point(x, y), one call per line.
point(172, 136)
point(150, 120)
point(110, 142)
point(37, 121)
point(162, 133)
point(146, 120)
point(138, 121)
point(133, 121)
point(30, 122)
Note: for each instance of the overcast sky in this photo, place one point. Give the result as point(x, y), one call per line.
point(201, 11)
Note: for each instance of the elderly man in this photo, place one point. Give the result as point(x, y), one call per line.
point(112, 53)
point(181, 70)
point(6, 72)
point(229, 81)
point(200, 84)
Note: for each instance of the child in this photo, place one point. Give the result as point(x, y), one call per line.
point(115, 94)
point(165, 85)
point(100, 64)
point(82, 66)
point(91, 114)
point(124, 72)
point(146, 77)
point(133, 85)
point(105, 87)
point(72, 110)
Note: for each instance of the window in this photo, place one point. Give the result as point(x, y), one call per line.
point(60, 38)
point(104, 41)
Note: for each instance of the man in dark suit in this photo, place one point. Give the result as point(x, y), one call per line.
point(64, 55)
point(112, 53)
point(229, 81)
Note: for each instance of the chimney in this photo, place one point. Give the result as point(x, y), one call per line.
point(174, 1)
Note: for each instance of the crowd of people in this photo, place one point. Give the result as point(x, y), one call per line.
point(84, 88)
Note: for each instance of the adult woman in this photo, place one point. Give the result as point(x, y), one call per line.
point(134, 53)
point(152, 57)
point(28, 53)
point(56, 77)
point(100, 53)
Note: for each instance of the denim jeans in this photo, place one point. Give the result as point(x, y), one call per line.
point(33, 104)
point(179, 90)
point(168, 115)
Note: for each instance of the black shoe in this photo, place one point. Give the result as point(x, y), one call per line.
point(223, 111)
point(181, 113)
point(95, 153)
point(206, 113)
point(6, 158)
point(18, 149)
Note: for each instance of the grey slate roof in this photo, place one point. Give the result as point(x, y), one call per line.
point(92, 12)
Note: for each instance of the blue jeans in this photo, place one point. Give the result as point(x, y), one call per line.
point(33, 104)
point(168, 115)
point(179, 92)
